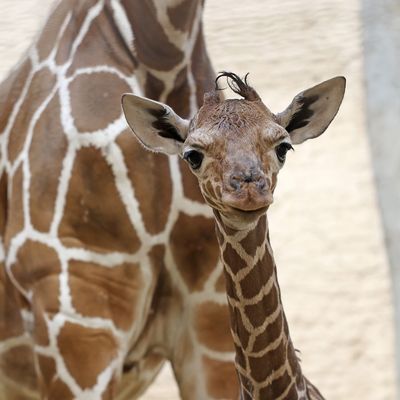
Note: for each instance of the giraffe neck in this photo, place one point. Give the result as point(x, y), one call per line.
point(265, 357)
point(175, 68)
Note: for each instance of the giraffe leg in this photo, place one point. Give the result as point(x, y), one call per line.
point(203, 355)
point(138, 376)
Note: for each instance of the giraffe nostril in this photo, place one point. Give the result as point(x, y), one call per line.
point(235, 182)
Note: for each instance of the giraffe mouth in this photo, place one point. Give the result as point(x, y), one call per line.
point(255, 211)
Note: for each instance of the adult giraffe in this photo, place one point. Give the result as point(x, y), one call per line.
point(110, 261)
point(236, 148)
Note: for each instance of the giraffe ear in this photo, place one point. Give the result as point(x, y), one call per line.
point(311, 111)
point(155, 124)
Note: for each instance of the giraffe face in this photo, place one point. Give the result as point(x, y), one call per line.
point(236, 149)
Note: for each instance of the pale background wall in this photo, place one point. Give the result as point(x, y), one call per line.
point(325, 225)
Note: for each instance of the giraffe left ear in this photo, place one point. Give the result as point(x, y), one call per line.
point(312, 110)
point(155, 124)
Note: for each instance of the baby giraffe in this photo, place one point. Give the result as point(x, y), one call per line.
point(236, 148)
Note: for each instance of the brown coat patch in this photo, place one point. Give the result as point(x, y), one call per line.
point(158, 54)
point(258, 276)
point(102, 42)
point(153, 87)
point(79, 11)
point(182, 16)
point(80, 346)
point(10, 91)
point(10, 321)
point(255, 238)
point(48, 148)
point(271, 333)
point(39, 89)
point(47, 367)
point(50, 31)
point(211, 323)
point(263, 367)
point(106, 292)
point(95, 100)
point(202, 69)
point(220, 384)
point(15, 215)
point(16, 363)
point(195, 249)
point(151, 179)
point(95, 216)
point(179, 97)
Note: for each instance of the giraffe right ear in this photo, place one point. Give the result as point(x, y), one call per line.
point(155, 124)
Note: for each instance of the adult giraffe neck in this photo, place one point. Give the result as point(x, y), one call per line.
point(266, 361)
point(175, 68)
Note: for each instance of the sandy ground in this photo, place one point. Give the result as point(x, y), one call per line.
point(325, 227)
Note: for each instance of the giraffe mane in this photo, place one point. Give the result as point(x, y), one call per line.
point(238, 85)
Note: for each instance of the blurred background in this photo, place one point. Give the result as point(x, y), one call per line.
point(335, 225)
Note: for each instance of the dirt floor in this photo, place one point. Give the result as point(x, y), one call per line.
point(325, 227)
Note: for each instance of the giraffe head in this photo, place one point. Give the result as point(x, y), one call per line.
point(235, 147)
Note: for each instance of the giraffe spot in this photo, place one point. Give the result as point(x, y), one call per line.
point(48, 370)
point(45, 303)
point(239, 327)
point(232, 260)
point(195, 249)
point(153, 87)
point(86, 352)
point(267, 366)
point(48, 147)
point(190, 184)
point(79, 13)
point(57, 389)
point(211, 322)
point(270, 334)
point(182, 16)
point(95, 100)
point(48, 36)
point(255, 238)
point(102, 45)
point(3, 201)
point(35, 263)
point(259, 275)
point(18, 362)
point(150, 175)
point(202, 70)
point(221, 379)
point(158, 54)
point(259, 311)
point(10, 321)
point(278, 388)
point(94, 215)
point(10, 91)
point(39, 88)
point(112, 293)
point(179, 97)
point(15, 215)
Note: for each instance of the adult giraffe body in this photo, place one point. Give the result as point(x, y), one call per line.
point(236, 148)
point(110, 261)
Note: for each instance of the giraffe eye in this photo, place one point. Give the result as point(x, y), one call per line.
point(194, 158)
point(281, 151)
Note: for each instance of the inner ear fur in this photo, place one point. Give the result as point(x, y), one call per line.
point(311, 111)
point(155, 124)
